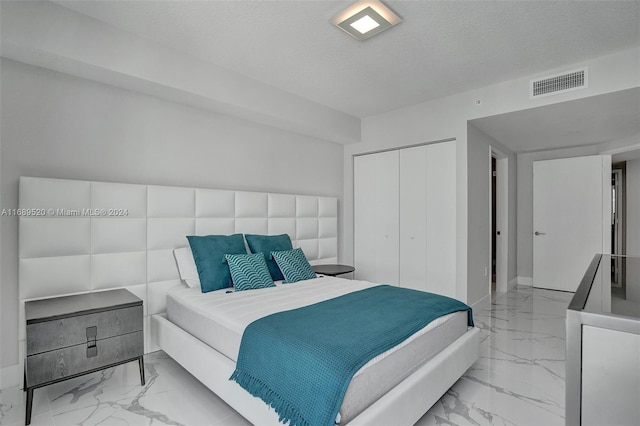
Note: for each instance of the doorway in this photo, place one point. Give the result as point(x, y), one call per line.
point(618, 193)
point(498, 214)
point(494, 231)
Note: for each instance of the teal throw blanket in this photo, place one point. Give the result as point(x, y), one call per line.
point(300, 362)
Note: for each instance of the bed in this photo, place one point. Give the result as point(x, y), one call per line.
point(134, 251)
point(203, 332)
point(219, 319)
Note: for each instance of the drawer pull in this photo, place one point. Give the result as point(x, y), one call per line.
point(92, 348)
point(92, 332)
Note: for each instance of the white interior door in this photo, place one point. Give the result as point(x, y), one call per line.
point(571, 218)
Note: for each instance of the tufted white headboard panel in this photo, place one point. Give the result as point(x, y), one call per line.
point(81, 236)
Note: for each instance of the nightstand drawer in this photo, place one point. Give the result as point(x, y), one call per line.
point(65, 332)
point(61, 363)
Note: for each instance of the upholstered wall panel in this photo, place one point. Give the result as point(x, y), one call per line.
point(122, 199)
point(306, 206)
point(102, 235)
point(281, 225)
point(167, 201)
point(307, 228)
point(327, 249)
point(327, 228)
point(281, 205)
point(114, 235)
point(327, 207)
point(251, 204)
point(37, 193)
point(214, 203)
point(246, 225)
point(310, 248)
point(214, 226)
point(51, 276)
point(115, 270)
point(141, 292)
point(161, 265)
point(166, 233)
point(157, 295)
point(44, 237)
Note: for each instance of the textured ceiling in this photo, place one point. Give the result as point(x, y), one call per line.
point(441, 48)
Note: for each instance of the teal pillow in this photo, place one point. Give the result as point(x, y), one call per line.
point(208, 253)
point(294, 265)
point(249, 271)
point(266, 244)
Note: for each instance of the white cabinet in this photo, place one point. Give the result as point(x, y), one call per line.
point(405, 217)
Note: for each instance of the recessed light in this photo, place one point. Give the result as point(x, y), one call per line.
point(365, 19)
point(365, 24)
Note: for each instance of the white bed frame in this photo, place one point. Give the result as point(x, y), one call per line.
point(69, 252)
point(403, 405)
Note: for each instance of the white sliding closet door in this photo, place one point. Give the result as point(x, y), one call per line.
point(413, 217)
point(376, 217)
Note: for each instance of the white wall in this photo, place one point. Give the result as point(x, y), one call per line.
point(60, 126)
point(633, 208)
point(54, 37)
point(479, 172)
point(633, 230)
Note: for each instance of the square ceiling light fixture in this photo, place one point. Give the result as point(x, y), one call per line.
point(365, 19)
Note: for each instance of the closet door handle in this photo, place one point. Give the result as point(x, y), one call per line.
point(539, 233)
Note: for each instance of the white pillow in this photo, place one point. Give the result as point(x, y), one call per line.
point(187, 267)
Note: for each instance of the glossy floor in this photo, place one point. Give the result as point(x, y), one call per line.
point(518, 380)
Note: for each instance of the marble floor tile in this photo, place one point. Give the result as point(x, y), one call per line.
point(12, 409)
point(518, 380)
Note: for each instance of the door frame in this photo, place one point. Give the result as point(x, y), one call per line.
point(502, 219)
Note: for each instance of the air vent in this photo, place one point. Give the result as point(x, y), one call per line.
point(559, 83)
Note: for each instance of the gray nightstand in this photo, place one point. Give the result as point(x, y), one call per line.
point(333, 270)
point(74, 335)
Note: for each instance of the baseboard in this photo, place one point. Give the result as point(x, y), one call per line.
point(481, 300)
point(528, 281)
point(10, 376)
point(513, 282)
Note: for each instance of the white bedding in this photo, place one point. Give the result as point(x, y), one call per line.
point(231, 312)
point(219, 319)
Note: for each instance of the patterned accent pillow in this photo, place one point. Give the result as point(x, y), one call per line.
point(249, 271)
point(294, 265)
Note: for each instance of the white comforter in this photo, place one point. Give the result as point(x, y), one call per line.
point(233, 312)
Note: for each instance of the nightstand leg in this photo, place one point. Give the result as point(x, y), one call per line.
point(27, 419)
point(141, 364)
